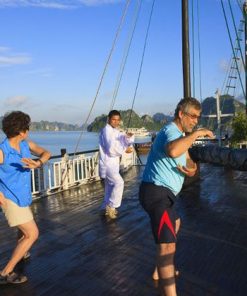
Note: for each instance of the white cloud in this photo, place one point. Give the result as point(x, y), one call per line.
point(223, 65)
point(43, 72)
point(9, 59)
point(55, 4)
point(16, 101)
point(240, 98)
point(4, 48)
point(99, 2)
point(63, 107)
point(14, 60)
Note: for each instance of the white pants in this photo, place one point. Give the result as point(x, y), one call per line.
point(114, 185)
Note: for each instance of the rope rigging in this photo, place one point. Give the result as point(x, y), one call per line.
point(236, 32)
point(127, 3)
point(240, 5)
point(141, 64)
point(105, 68)
point(226, 76)
point(126, 53)
point(233, 51)
point(233, 69)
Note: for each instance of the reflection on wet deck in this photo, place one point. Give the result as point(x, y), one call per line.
point(81, 253)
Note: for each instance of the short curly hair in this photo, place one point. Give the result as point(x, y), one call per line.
point(185, 104)
point(15, 122)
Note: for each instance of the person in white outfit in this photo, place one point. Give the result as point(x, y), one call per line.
point(112, 145)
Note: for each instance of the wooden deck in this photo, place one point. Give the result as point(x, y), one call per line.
point(81, 253)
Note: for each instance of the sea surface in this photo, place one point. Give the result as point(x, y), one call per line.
point(55, 141)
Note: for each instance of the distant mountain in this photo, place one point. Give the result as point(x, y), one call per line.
point(228, 105)
point(51, 126)
point(162, 118)
point(136, 121)
point(54, 126)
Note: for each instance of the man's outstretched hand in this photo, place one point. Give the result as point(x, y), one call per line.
point(129, 149)
point(188, 171)
point(203, 132)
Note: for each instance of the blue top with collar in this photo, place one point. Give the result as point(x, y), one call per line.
point(15, 180)
point(160, 168)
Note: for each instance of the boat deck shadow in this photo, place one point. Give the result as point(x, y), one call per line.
point(81, 253)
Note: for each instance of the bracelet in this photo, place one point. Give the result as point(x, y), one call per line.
point(41, 162)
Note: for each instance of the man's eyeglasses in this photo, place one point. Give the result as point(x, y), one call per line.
point(192, 116)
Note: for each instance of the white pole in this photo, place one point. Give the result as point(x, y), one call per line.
point(218, 112)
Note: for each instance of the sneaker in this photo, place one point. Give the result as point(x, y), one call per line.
point(12, 278)
point(111, 212)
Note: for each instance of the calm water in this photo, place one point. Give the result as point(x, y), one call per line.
point(55, 141)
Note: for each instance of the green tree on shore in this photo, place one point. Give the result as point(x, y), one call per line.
point(239, 126)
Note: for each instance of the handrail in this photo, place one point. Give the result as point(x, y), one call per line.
point(69, 170)
point(77, 153)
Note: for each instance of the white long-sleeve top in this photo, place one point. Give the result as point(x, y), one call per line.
point(112, 144)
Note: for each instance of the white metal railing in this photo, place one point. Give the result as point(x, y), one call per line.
point(61, 173)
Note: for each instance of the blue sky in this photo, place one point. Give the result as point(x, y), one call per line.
point(52, 54)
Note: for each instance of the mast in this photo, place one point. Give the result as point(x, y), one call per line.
point(186, 49)
point(245, 32)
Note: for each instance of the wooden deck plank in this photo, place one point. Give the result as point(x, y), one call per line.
point(81, 253)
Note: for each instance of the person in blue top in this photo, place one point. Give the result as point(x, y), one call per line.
point(167, 165)
point(15, 187)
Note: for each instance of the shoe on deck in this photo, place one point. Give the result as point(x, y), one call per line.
point(12, 278)
point(111, 212)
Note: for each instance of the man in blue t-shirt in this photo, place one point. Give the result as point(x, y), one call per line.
point(167, 165)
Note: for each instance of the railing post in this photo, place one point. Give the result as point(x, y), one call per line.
point(64, 170)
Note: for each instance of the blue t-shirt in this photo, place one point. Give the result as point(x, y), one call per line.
point(160, 168)
point(15, 181)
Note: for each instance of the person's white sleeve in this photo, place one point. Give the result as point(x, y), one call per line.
point(126, 141)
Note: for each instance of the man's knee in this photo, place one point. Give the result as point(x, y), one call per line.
point(165, 254)
point(35, 234)
point(166, 248)
point(32, 235)
point(30, 232)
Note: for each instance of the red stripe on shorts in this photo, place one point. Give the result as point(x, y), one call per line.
point(165, 219)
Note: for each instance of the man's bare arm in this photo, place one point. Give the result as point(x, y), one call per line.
point(180, 146)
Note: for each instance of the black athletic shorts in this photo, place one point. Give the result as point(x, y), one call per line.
point(158, 202)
